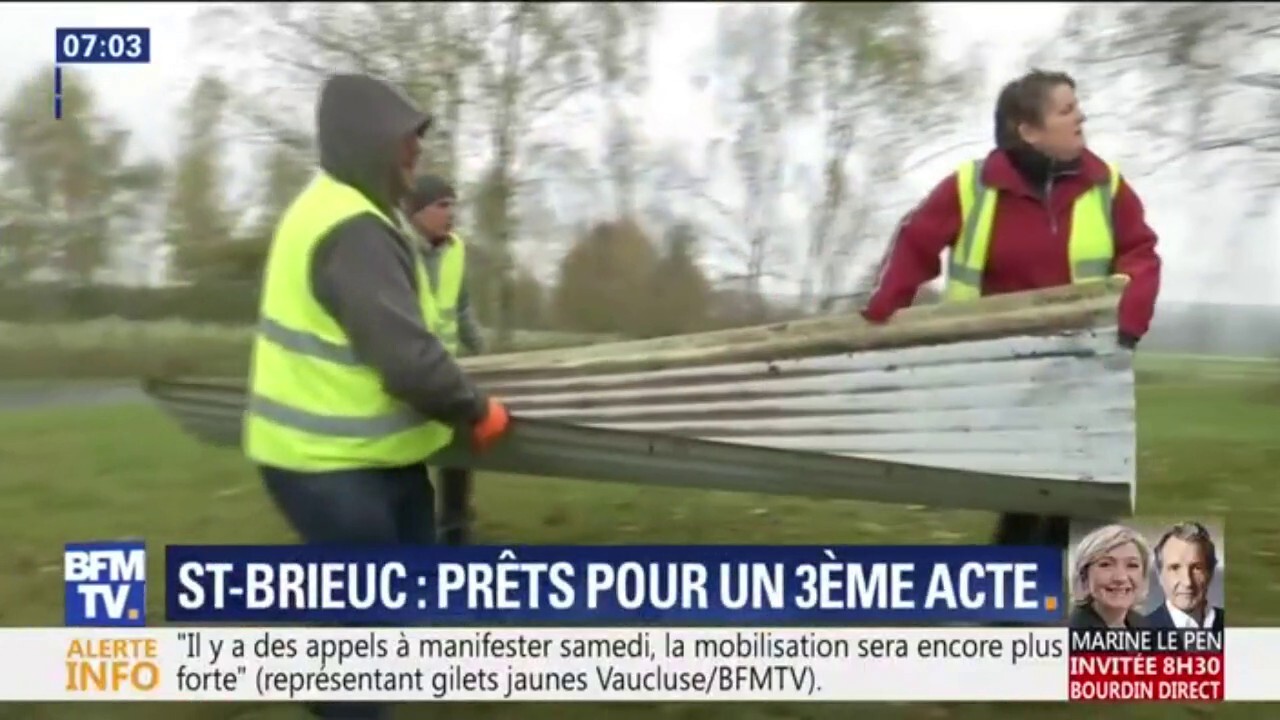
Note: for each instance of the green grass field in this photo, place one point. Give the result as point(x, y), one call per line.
point(1209, 445)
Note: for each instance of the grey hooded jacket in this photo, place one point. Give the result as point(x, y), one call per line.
point(362, 270)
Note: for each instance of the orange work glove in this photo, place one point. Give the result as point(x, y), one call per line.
point(491, 427)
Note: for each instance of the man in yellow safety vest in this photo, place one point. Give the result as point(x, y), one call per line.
point(351, 390)
point(429, 208)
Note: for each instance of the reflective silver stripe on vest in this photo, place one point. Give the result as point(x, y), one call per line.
point(304, 343)
point(1104, 189)
point(448, 331)
point(966, 275)
point(335, 425)
point(960, 257)
point(1092, 269)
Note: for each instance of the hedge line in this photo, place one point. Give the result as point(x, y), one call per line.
point(222, 303)
point(115, 348)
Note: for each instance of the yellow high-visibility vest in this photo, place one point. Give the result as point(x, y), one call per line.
point(312, 405)
point(449, 275)
point(1091, 248)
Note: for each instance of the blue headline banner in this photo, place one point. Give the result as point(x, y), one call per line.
point(599, 585)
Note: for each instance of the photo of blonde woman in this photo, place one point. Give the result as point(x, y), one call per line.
point(1110, 579)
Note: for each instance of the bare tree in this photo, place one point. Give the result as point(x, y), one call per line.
point(491, 73)
point(530, 62)
point(199, 222)
point(421, 48)
point(619, 34)
point(1192, 86)
point(749, 65)
point(866, 71)
point(73, 193)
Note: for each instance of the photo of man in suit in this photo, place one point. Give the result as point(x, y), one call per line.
point(1185, 562)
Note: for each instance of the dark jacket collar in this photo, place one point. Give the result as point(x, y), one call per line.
point(1028, 171)
point(1037, 168)
point(1162, 618)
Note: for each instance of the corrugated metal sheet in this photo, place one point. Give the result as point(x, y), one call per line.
point(1059, 406)
point(1038, 422)
point(212, 413)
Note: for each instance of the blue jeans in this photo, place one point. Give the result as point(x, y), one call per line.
point(380, 506)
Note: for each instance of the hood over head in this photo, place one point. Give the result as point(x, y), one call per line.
point(360, 123)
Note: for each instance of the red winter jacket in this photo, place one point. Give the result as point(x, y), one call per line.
point(1028, 245)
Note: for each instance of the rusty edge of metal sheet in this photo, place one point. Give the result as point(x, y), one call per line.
point(1030, 422)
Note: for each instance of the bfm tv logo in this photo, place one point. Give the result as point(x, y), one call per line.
point(106, 584)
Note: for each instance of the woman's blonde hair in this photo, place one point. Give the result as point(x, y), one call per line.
point(1099, 543)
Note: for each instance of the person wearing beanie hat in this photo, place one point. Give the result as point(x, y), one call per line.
point(429, 208)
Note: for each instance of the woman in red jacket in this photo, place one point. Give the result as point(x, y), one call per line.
point(1041, 234)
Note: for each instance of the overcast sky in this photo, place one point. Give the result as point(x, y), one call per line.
point(146, 97)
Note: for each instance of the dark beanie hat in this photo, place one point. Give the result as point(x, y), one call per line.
point(427, 190)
